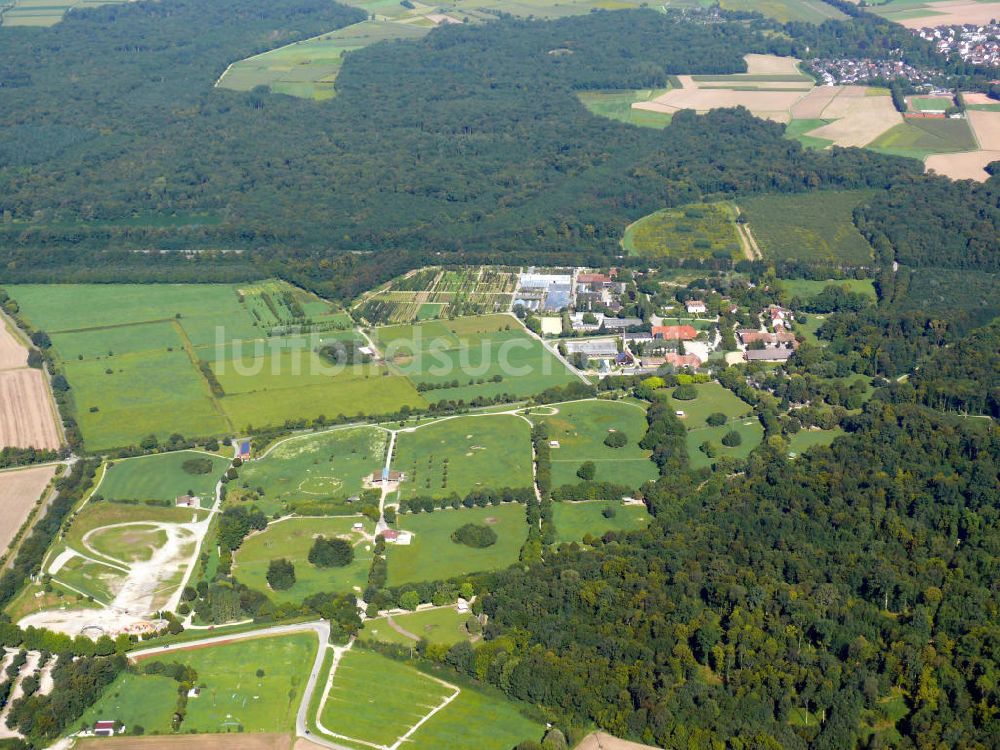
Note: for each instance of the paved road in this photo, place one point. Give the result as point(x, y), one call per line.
point(322, 630)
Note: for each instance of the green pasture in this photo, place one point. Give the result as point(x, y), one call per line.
point(617, 105)
point(749, 429)
point(105, 343)
point(476, 721)
point(575, 520)
point(443, 625)
point(432, 555)
point(700, 230)
point(128, 543)
point(581, 427)
point(315, 470)
point(711, 398)
point(817, 226)
point(292, 539)
point(232, 697)
point(161, 476)
point(806, 288)
point(484, 452)
point(919, 138)
point(799, 130)
point(376, 700)
point(803, 440)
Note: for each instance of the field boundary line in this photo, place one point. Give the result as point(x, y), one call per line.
point(443, 704)
point(192, 356)
point(112, 326)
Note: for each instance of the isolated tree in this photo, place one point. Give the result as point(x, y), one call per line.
point(685, 392)
point(616, 440)
point(474, 535)
point(731, 439)
point(331, 553)
point(280, 574)
point(716, 419)
point(587, 470)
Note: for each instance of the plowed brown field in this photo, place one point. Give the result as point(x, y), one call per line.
point(26, 413)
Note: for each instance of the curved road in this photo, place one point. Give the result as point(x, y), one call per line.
point(322, 630)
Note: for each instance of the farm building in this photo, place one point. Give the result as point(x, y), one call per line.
point(674, 333)
point(243, 449)
point(768, 355)
point(779, 339)
point(696, 307)
point(392, 536)
point(105, 728)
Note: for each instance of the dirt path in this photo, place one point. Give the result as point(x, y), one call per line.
point(750, 248)
point(400, 629)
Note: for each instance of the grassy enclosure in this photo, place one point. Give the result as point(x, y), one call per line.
point(444, 625)
point(919, 138)
point(292, 539)
point(164, 476)
point(316, 473)
point(464, 454)
point(701, 230)
point(432, 555)
point(580, 428)
point(575, 520)
point(815, 226)
point(803, 440)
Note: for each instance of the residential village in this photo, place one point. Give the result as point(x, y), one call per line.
point(974, 43)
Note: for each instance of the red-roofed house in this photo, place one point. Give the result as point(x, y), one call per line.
point(104, 729)
point(682, 360)
point(674, 333)
point(593, 278)
point(696, 307)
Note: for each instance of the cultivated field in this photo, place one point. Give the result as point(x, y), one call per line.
point(809, 226)
point(19, 491)
point(574, 521)
point(13, 354)
point(432, 555)
point(315, 474)
point(233, 699)
point(617, 105)
point(27, 416)
point(858, 118)
point(136, 357)
point(971, 165)
point(431, 293)
point(701, 230)
point(256, 741)
point(915, 14)
point(987, 128)
point(464, 454)
point(361, 712)
point(164, 476)
point(292, 539)
point(580, 429)
point(919, 138)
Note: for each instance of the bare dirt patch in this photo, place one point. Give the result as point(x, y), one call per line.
point(977, 97)
point(13, 354)
point(240, 741)
point(19, 491)
point(954, 13)
point(970, 165)
point(602, 741)
point(986, 126)
point(26, 414)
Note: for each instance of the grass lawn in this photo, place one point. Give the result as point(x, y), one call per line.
point(232, 697)
point(442, 625)
point(576, 520)
point(432, 555)
point(162, 477)
point(809, 328)
point(292, 539)
point(316, 471)
point(749, 429)
point(581, 427)
point(815, 226)
point(697, 231)
point(477, 452)
point(145, 701)
point(803, 440)
point(128, 543)
point(806, 288)
point(711, 398)
point(377, 700)
point(617, 105)
point(919, 138)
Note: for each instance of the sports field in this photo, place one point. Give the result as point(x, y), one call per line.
point(575, 520)
point(919, 138)
point(232, 699)
point(315, 472)
point(701, 230)
point(292, 539)
point(464, 454)
point(469, 357)
point(164, 476)
point(580, 428)
point(815, 226)
point(432, 555)
point(444, 625)
point(137, 358)
point(361, 708)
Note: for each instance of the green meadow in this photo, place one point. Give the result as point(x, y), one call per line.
point(803, 440)
point(575, 520)
point(292, 539)
point(749, 428)
point(700, 230)
point(163, 476)
point(315, 471)
point(617, 105)
point(580, 428)
point(432, 555)
point(463, 454)
point(443, 625)
point(711, 398)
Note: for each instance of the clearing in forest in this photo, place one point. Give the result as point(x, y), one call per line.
point(700, 230)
